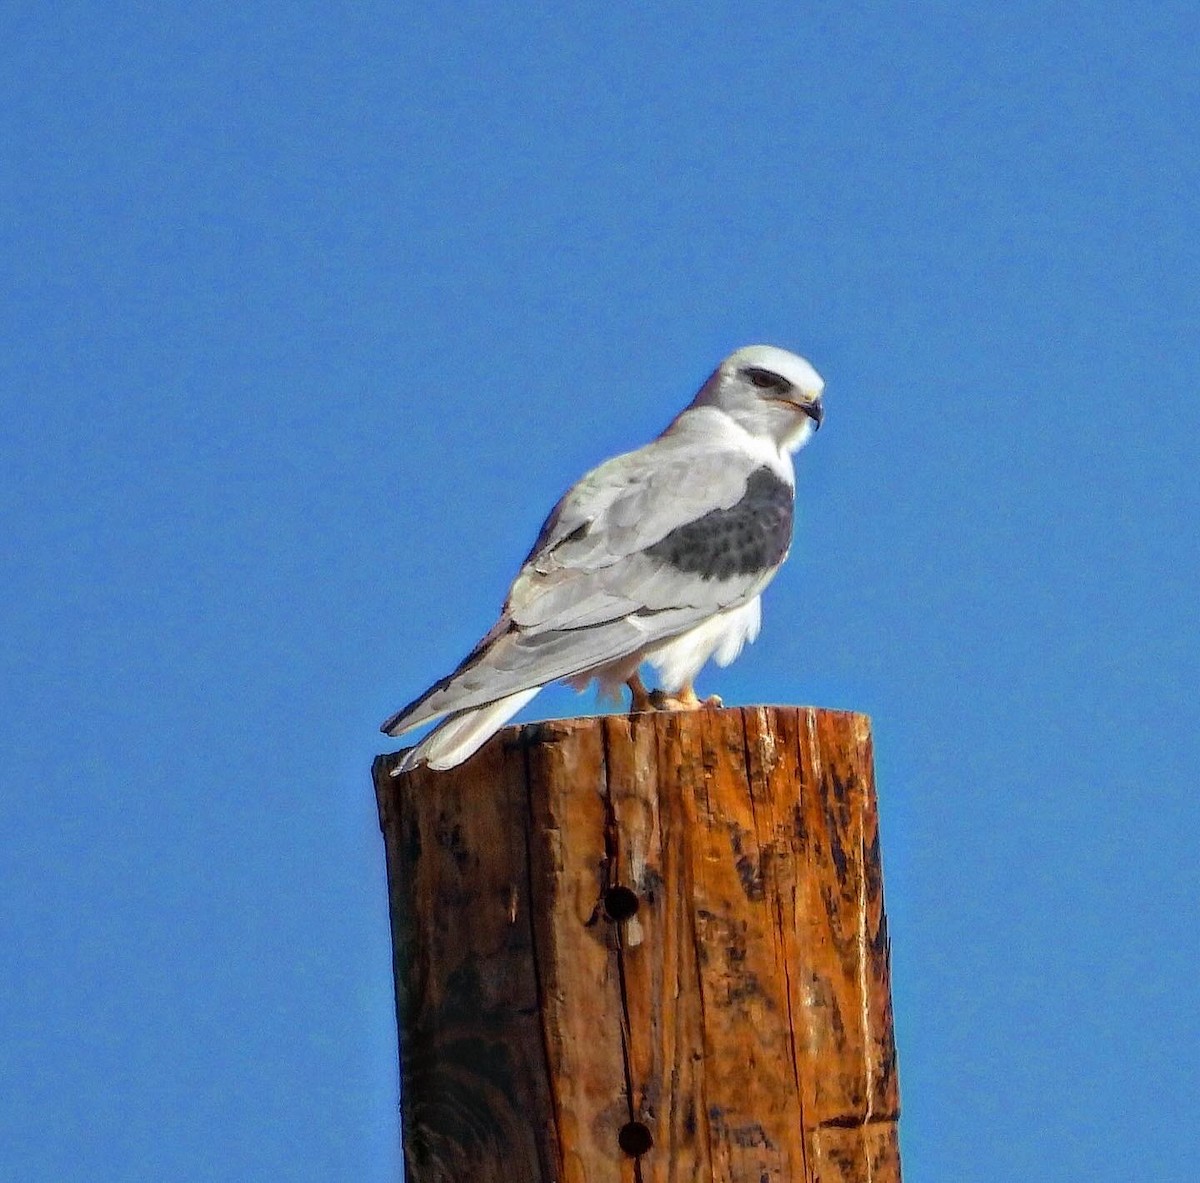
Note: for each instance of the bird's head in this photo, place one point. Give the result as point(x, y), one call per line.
point(768, 391)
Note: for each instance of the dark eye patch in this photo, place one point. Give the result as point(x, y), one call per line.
point(767, 379)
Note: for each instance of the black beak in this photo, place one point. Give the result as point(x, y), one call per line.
point(816, 412)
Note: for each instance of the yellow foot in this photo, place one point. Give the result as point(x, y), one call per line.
point(685, 700)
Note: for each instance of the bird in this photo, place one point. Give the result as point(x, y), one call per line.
point(658, 556)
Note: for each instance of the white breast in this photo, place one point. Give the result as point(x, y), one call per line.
point(721, 637)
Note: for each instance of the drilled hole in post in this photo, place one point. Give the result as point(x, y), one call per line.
point(635, 1138)
point(620, 903)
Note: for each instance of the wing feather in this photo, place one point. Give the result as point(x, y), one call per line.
point(589, 593)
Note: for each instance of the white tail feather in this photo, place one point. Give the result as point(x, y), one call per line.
point(462, 735)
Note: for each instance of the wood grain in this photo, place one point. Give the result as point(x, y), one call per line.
point(740, 1019)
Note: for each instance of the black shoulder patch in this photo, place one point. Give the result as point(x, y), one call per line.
point(746, 538)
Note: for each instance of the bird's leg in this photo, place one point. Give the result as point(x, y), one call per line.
point(642, 699)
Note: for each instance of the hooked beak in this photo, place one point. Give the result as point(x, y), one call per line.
point(815, 411)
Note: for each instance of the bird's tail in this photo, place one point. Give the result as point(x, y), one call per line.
point(463, 734)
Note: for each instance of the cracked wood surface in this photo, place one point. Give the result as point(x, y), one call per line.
point(742, 1015)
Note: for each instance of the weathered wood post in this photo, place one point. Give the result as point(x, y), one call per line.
point(645, 948)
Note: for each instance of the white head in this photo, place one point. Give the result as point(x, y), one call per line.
point(768, 391)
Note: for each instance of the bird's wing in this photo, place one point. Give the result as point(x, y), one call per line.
point(641, 549)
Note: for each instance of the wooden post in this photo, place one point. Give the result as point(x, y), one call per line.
point(645, 948)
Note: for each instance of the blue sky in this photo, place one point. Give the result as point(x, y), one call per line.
point(311, 311)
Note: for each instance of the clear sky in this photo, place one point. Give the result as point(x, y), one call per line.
point(310, 312)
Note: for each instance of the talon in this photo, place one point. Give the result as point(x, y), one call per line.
point(685, 700)
point(659, 700)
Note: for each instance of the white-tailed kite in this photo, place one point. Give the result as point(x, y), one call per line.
point(658, 556)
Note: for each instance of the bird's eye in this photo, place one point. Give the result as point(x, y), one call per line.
point(767, 379)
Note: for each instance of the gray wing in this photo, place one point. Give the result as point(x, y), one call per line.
point(641, 549)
